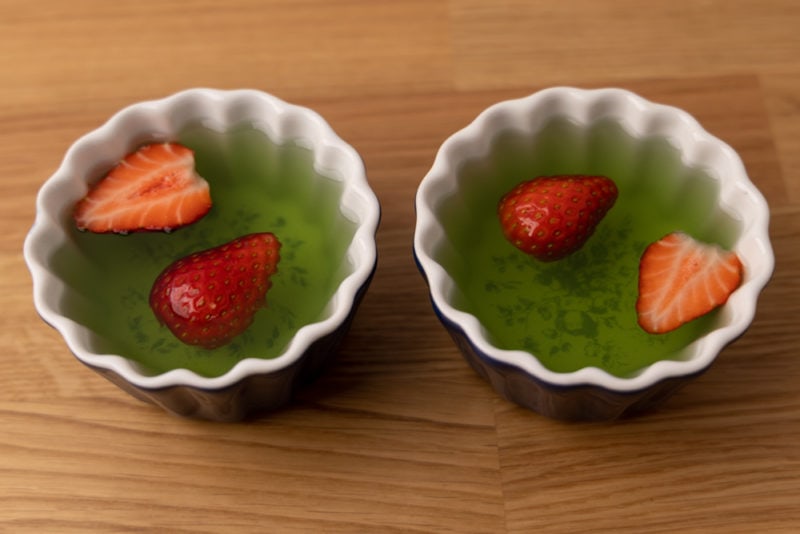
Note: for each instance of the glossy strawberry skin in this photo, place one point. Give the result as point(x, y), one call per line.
point(210, 297)
point(551, 217)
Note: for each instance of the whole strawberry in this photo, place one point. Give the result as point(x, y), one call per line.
point(210, 297)
point(550, 217)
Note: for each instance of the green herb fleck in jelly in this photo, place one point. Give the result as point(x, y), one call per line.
point(579, 311)
point(256, 186)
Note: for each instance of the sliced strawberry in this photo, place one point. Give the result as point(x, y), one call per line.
point(154, 188)
point(681, 279)
point(210, 297)
point(550, 217)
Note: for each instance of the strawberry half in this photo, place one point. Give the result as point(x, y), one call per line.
point(154, 188)
point(210, 297)
point(551, 217)
point(681, 279)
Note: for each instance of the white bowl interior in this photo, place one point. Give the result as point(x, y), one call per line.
point(258, 152)
point(644, 147)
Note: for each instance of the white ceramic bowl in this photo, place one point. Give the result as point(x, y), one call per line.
point(640, 144)
point(280, 133)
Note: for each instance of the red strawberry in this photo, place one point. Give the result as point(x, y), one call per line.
point(210, 297)
point(681, 279)
point(154, 188)
point(551, 217)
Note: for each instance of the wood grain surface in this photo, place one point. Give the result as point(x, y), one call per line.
point(400, 435)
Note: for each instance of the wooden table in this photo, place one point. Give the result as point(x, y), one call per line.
point(400, 435)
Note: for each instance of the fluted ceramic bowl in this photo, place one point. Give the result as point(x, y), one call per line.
point(562, 338)
point(272, 166)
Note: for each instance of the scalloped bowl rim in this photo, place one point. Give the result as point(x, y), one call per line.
point(47, 234)
point(637, 116)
